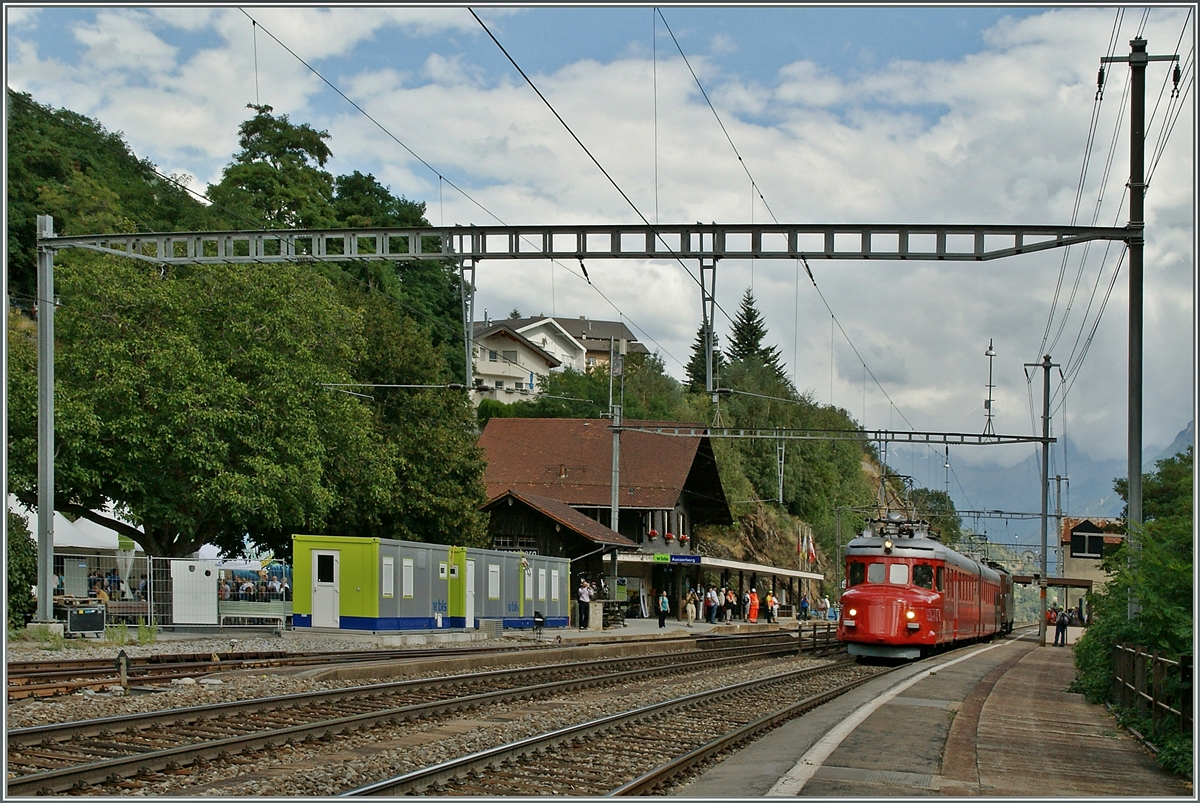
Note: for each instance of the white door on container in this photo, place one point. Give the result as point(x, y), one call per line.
point(470, 595)
point(325, 588)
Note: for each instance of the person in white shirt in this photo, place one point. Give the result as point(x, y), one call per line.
point(585, 598)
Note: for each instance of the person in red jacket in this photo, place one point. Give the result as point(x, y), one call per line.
point(753, 605)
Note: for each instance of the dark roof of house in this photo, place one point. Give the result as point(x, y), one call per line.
point(570, 460)
point(565, 515)
point(480, 331)
point(587, 331)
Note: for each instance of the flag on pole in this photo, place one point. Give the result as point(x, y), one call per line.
point(812, 550)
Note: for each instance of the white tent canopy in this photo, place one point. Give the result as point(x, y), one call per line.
point(77, 536)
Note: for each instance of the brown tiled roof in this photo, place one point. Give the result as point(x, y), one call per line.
point(570, 460)
point(568, 517)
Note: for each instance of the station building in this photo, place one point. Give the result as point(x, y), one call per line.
point(549, 486)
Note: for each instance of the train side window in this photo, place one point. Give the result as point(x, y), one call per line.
point(858, 573)
point(898, 574)
point(875, 573)
point(941, 578)
point(923, 575)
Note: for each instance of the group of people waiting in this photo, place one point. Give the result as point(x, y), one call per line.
point(722, 605)
point(246, 590)
point(1062, 618)
point(110, 586)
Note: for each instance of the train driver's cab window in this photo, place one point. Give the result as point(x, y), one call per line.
point(898, 574)
point(858, 573)
point(940, 581)
point(875, 573)
point(923, 575)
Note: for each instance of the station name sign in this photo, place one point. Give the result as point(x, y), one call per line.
point(663, 557)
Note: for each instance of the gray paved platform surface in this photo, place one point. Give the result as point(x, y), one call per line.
point(997, 724)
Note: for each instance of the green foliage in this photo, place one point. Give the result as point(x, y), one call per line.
point(746, 340)
point(937, 508)
point(1158, 576)
point(697, 367)
point(117, 633)
point(21, 554)
point(194, 401)
point(146, 633)
point(63, 164)
point(192, 397)
point(276, 179)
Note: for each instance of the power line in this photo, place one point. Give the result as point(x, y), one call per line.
point(441, 177)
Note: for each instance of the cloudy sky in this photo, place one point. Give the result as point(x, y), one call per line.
point(860, 115)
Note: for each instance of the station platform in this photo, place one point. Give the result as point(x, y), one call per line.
point(987, 721)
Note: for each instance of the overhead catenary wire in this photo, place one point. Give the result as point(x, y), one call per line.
point(442, 178)
point(590, 155)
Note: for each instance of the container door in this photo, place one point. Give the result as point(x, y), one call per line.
point(470, 612)
point(325, 602)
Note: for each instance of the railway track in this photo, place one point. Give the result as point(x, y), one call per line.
point(623, 754)
point(50, 678)
point(70, 757)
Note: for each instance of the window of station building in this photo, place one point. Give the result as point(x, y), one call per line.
point(898, 574)
point(510, 357)
point(858, 573)
point(493, 355)
point(875, 573)
point(923, 575)
point(499, 384)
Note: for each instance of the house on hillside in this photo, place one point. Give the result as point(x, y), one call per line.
point(508, 365)
point(512, 355)
point(599, 338)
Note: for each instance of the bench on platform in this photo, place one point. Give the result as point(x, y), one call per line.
point(273, 610)
point(129, 611)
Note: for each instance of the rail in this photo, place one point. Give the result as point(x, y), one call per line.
point(1152, 684)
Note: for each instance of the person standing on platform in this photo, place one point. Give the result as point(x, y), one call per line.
point(664, 607)
point(753, 605)
point(804, 607)
point(1060, 628)
point(585, 600)
point(690, 609)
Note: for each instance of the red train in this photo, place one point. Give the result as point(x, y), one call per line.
point(908, 595)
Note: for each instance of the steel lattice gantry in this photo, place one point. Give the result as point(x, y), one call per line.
point(873, 435)
point(692, 241)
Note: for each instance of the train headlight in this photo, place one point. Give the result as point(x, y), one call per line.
point(911, 616)
point(887, 545)
point(852, 612)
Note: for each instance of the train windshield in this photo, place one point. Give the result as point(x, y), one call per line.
point(875, 573)
point(857, 573)
point(898, 574)
point(923, 575)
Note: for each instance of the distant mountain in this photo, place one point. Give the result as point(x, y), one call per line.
point(1186, 438)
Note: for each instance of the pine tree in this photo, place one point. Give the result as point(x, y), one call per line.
point(746, 338)
point(697, 367)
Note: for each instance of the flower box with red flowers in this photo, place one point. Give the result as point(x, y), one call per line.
point(653, 533)
point(683, 539)
point(669, 536)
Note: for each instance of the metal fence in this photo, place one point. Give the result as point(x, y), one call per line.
point(174, 593)
point(193, 593)
point(1154, 685)
point(121, 576)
